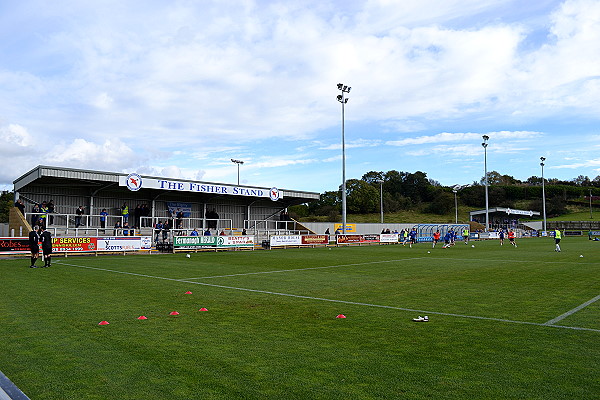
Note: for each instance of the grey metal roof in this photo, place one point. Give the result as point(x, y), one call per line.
point(101, 178)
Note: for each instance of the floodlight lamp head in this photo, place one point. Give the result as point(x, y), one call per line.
point(340, 86)
point(543, 159)
point(339, 97)
point(484, 144)
point(349, 89)
point(346, 100)
point(486, 137)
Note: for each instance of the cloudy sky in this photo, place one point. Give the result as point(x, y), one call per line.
point(177, 88)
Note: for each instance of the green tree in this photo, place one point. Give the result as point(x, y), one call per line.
point(6, 203)
point(362, 198)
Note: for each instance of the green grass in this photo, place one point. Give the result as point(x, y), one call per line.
point(264, 345)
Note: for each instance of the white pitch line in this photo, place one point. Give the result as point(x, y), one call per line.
point(306, 269)
point(334, 300)
point(573, 311)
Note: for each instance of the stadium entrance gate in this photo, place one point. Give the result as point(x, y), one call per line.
point(425, 231)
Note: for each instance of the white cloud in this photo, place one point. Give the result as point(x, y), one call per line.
point(464, 137)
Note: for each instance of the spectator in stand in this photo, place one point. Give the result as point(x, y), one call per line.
point(165, 231)
point(126, 228)
point(194, 232)
point(244, 232)
point(51, 211)
point(145, 213)
point(35, 217)
point(179, 219)
point(207, 232)
point(44, 214)
point(117, 228)
point(19, 204)
point(222, 233)
point(137, 215)
point(125, 212)
point(78, 215)
point(157, 229)
point(103, 215)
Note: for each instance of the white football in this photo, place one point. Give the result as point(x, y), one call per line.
point(472, 245)
point(187, 255)
point(428, 252)
point(581, 255)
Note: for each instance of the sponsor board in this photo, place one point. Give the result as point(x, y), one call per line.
point(315, 239)
point(350, 228)
point(573, 233)
point(288, 240)
point(80, 244)
point(298, 240)
point(388, 238)
point(124, 243)
point(14, 245)
point(194, 241)
point(235, 241)
point(74, 244)
point(190, 242)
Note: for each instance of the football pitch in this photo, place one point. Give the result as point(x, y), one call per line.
point(504, 323)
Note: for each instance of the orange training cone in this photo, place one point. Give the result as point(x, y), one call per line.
point(142, 317)
point(173, 313)
point(203, 309)
point(103, 323)
point(341, 316)
point(188, 292)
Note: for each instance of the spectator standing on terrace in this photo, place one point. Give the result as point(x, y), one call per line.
point(78, 215)
point(103, 215)
point(179, 219)
point(50, 206)
point(34, 247)
point(43, 215)
point(157, 229)
point(137, 214)
point(165, 231)
point(46, 239)
point(145, 213)
point(125, 213)
point(35, 214)
point(19, 204)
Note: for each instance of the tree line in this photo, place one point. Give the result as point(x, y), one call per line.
point(413, 190)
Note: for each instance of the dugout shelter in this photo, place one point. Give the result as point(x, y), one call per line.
point(205, 205)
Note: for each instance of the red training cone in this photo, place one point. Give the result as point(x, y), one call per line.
point(188, 292)
point(103, 323)
point(142, 317)
point(173, 313)
point(341, 316)
point(203, 309)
